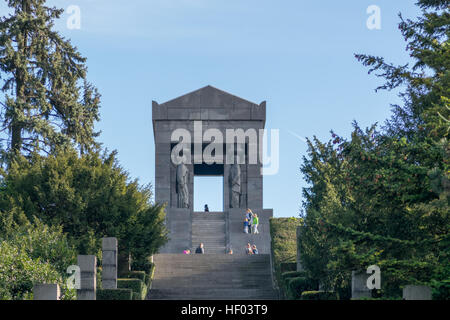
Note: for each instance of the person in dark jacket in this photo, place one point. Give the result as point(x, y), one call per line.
point(200, 249)
point(249, 216)
point(206, 208)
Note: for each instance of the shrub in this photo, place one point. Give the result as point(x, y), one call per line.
point(143, 265)
point(288, 267)
point(32, 253)
point(136, 296)
point(292, 274)
point(136, 285)
point(319, 295)
point(97, 192)
point(18, 273)
point(284, 243)
point(141, 275)
point(296, 286)
point(114, 294)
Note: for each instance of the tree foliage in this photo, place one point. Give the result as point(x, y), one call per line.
point(48, 102)
point(89, 196)
point(383, 196)
point(32, 253)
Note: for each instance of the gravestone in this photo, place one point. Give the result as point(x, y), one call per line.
point(411, 292)
point(88, 277)
point(46, 292)
point(359, 285)
point(204, 115)
point(109, 263)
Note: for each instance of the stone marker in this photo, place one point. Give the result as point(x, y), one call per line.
point(416, 293)
point(359, 285)
point(88, 273)
point(46, 292)
point(109, 263)
point(299, 264)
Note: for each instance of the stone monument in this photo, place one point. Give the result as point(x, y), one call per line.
point(205, 129)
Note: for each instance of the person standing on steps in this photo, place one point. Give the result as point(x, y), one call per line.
point(206, 208)
point(255, 224)
point(249, 216)
point(200, 249)
point(245, 225)
point(255, 250)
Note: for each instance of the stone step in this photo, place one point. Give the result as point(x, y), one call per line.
point(206, 223)
point(220, 294)
point(213, 276)
point(208, 216)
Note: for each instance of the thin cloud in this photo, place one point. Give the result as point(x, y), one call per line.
point(298, 136)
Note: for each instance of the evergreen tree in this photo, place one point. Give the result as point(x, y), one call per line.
point(48, 102)
point(89, 196)
point(383, 197)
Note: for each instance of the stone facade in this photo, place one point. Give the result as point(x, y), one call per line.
point(417, 293)
point(88, 274)
point(109, 263)
point(46, 292)
point(212, 109)
point(359, 285)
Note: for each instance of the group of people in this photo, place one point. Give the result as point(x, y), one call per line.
point(251, 222)
point(200, 250)
point(251, 249)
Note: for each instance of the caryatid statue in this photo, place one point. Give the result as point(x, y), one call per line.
point(235, 181)
point(182, 186)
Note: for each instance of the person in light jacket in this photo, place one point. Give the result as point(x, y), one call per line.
point(255, 224)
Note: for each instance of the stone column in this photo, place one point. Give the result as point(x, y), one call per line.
point(109, 263)
point(359, 285)
point(417, 293)
point(46, 292)
point(299, 264)
point(88, 273)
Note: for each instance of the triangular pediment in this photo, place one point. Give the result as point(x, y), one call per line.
point(209, 97)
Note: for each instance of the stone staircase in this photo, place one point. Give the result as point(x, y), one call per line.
point(212, 277)
point(209, 228)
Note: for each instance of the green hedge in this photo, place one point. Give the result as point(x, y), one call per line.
point(136, 296)
point(296, 286)
point(288, 267)
point(319, 295)
point(284, 245)
point(292, 274)
point(147, 266)
point(114, 294)
point(136, 285)
point(141, 275)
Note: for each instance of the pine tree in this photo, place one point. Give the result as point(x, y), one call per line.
point(383, 197)
point(48, 103)
point(426, 108)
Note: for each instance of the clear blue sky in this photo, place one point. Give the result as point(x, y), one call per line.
point(297, 55)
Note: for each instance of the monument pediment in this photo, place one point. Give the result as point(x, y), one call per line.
point(209, 97)
point(208, 103)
